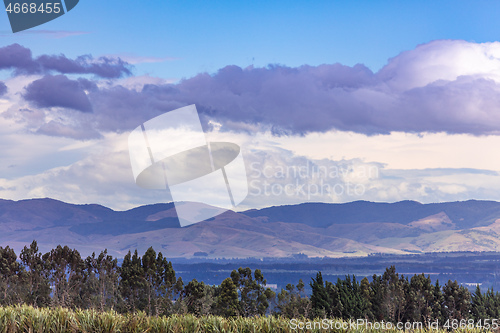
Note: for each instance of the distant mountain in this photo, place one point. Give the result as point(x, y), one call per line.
point(465, 214)
point(316, 229)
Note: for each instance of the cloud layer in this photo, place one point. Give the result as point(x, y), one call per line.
point(450, 86)
point(276, 176)
point(58, 91)
point(444, 86)
point(18, 58)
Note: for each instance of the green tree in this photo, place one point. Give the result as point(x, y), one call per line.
point(438, 310)
point(320, 300)
point(132, 282)
point(478, 309)
point(160, 282)
point(179, 305)
point(456, 300)
point(264, 295)
point(101, 279)
point(292, 303)
point(377, 297)
point(366, 294)
point(351, 298)
point(198, 298)
point(150, 268)
point(36, 286)
point(65, 275)
point(166, 284)
point(492, 304)
point(394, 301)
point(254, 297)
point(420, 299)
point(226, 304)
point(11, 272)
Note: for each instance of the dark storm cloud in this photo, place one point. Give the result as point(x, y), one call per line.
point(322, 98)
point(442, 86)
point(58, 91)
point(297, 100)
point(20, 59)
point(291, 99)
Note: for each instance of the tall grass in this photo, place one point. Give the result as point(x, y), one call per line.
point(24, 318)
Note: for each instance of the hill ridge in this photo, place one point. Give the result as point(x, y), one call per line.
point(355, 228)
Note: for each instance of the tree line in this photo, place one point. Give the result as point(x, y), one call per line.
point(397, 298)
point(148, 283)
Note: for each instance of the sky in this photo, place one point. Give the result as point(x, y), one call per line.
point(330, 101)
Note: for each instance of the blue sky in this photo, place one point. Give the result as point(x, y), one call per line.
point(422, 109)
point(208, 35)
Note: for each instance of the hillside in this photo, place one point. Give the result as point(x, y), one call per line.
point(316, 229)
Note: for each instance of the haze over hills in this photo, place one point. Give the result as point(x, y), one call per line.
point(316, 229)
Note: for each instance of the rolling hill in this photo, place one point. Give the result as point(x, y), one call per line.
point(316, 229)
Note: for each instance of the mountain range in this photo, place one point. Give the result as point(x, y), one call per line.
point(316, 229)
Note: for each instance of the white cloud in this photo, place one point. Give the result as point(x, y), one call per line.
point(401, 150)
point(442, 60)
point(100, 172)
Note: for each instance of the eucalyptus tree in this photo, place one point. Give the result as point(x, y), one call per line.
point(36, 287)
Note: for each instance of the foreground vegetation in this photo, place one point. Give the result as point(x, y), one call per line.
point(60, 320)
point(25, 318)
point(148, 286)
